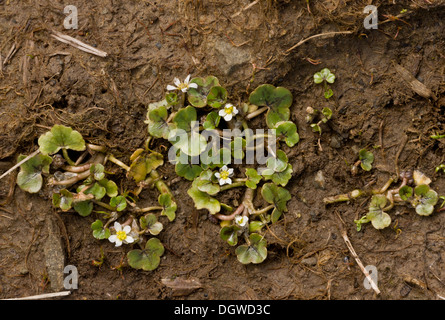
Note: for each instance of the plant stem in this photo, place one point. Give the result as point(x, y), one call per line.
point(248, 200)
point(118, 162)
point(344, 197)
point(95, 147)
point(71, 181)
point(104, 205)
point(147, 209)
point(256, 113)
point(231, 216)
point(99, 158)
point(233, 185)
point(77, 169)
point(67, 157)
point(159, 184)
point(264, 210)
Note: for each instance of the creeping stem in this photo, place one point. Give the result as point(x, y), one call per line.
point(232, 216)
point(118, 162)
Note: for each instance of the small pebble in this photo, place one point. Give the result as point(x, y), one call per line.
point(319, 180)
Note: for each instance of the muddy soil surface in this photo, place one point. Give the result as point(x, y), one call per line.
point(244, 43)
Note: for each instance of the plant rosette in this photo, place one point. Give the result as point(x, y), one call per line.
point(378, 218)
point(422, 198)
point(325, 76)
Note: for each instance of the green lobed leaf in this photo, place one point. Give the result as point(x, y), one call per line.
point(150, 223)
point(118, 202)
point(276, 98)
point(110, 187)
point(147, 259)
point(97, 190)
point(205, 184)
point(427, 199)
point(170, 206)
point(327, 112)
point(203, 201)
point(276, 164)
point(217, 97)
point(157, 122)
point(99, 232)
point(253, 178)
point(63, 200)
point(60, 137)
point(276, 195)
point(83, 208)
point(288, 131)
point(198, 97)
point(405, 192)
point(212, 121)
point(255, 226)
point(280, 178)
point(230, 234)
point(98, 171)
point(188, 171)
point(30, 176)
point(366, 159)
point(255, 252)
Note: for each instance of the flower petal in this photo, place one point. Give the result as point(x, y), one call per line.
point(112, 238)
point(127, 229)
point(230, 171)
point(217, 175)
point(170, 87)
point(235, 110)
point(118, 243)
point(129, 239)
point(193, 85)
point(228, 117)
point(186, 81)
point(222, 112)
point(176, 81)
point(223, 168)
point(184, 89)
point(117, 226)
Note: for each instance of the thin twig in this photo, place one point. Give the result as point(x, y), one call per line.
point(43, 296)
point(244, 9)
point(360, 264)
point(316, 36)
point(10, 54)
point(354, 254)
point(19, 163)
point(78, 44)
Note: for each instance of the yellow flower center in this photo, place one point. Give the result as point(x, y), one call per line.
point(121, 235)
point(182, 86)
point(228, 110)
point(224, 175)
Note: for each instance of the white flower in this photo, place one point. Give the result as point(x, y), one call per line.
point(223, 175)
point(228, 112)
point(241, 220)
point(121, 235)
point(183, 86)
